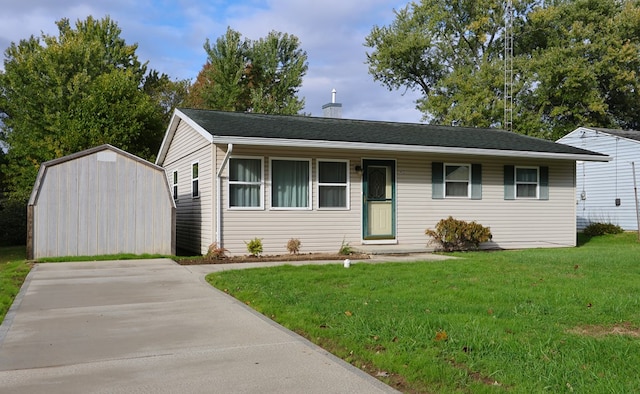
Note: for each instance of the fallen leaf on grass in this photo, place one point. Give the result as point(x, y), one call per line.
point(441, 336)
point(348, 313)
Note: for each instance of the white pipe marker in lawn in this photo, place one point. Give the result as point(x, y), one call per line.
point(347, 263)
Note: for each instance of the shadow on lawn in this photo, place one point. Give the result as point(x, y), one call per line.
point(583, 239)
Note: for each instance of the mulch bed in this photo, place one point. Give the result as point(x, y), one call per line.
point(271, 258)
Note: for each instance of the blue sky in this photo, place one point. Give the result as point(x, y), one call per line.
point(171, 34)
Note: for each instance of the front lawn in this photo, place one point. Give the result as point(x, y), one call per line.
point(539, 320)
point(13, 271)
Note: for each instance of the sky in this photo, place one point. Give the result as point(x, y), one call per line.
point(171, 34)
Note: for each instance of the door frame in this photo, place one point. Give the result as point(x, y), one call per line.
point(380, 239)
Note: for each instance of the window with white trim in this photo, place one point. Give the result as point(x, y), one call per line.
point(175, 185)
point(526, 181)
point(457, 180)
point(333, 184)
point(290, 184)
point(195, 191)
point(245, 182)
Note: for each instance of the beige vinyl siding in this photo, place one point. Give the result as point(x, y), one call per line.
point(520, 223)
point(86, 207)
point(318, 230)
point(514, 223)
point(194, 216)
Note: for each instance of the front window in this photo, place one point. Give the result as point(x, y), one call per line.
point(290, 181)
point(195, 191)
point(332, 184)
point(526, 182)
point(245, 183)
point(457, 178)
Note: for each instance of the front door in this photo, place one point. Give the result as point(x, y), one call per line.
point(379, 218)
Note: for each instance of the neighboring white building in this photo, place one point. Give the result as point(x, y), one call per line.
point(324, 181)
point(605, 190)
point(97, 202)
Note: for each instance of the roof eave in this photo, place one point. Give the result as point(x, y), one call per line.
point(403, 148)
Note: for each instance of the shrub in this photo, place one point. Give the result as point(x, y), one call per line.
point(215, 252)
point(254, 246)
point(452, 234)
point(345, 249)
point(595, 229)
point(293, 246)
point(13, 222)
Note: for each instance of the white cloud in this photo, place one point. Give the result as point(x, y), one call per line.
point(170, 35)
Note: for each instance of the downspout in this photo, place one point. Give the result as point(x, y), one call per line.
point(219, 195)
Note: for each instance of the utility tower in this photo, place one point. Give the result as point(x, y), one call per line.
point(508, 66)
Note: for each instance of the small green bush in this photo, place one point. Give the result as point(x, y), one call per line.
point(254, 246)
point(452, 234)
point(595, 229)
point(345, 249)
point(293, 246)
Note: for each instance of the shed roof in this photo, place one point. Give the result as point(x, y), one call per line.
point(279, 130)
point(77, 155)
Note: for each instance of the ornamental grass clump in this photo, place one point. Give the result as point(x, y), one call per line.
point(293, 246)
point(215, 252)
point(456, 235)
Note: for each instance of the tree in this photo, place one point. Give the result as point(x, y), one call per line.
point(261, 76)
point(580, 65)
point(167, 93)
point(65, 93)
point(565, 74)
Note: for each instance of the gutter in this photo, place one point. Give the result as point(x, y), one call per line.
point(290, 143)
point(219, 195)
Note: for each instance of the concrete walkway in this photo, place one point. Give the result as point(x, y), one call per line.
point(153, 326)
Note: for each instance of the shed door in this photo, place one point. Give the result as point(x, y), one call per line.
point(379, 200)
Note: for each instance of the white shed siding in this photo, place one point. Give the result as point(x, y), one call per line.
point(89, 206)
point(194, 216)
point(599, 184)
point(514, 224)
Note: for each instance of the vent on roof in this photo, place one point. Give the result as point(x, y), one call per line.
point(332, 109)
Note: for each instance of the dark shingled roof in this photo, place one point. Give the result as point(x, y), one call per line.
point(630, 134)
point(235, 124)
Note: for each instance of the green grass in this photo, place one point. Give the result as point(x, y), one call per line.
point(13, 271)
point(106, 257)
point(519, 321)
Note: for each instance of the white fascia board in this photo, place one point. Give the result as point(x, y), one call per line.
point(403, 148)
point(171, 132)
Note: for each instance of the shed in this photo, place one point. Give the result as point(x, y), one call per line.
point(604, 190)
point(97, 202)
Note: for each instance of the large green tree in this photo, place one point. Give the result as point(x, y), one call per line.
point(69, 92)
point(575, 62)
point(579, 63)
point(261, 76)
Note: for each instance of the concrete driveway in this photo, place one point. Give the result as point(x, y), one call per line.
point(153, 326)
